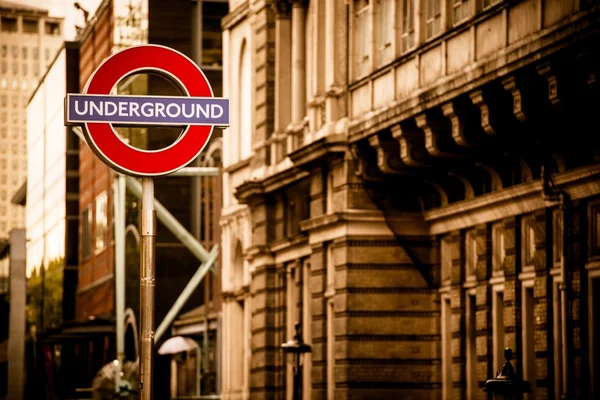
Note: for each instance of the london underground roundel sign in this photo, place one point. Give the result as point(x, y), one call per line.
point(198, 112)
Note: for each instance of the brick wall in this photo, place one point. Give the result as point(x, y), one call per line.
point(94, 178)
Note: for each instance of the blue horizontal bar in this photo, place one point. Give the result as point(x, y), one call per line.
point(146, 110)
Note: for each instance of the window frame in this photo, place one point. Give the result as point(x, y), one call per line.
point(100, 235)
point(430, 20)
point(385, 51)
point(86, 221)
point(462, 5)
point(408, 34)
point(362, 51)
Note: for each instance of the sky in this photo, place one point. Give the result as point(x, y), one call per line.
point(65, 8)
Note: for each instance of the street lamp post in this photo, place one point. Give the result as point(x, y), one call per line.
point(296, 347)
point(507, 385)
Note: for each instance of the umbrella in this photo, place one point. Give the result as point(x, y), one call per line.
point(177, 344)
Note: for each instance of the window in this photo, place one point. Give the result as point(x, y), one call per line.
point(52, 28)
point(4, 100)
point(86, 234)
point(497, 247)
point(362, 38)
point(408, 24)
point(24, 69)
point(36, 70)
point(36, 53)
point(212, 46)
point(461, 11)
point(101, 220)
point(292, 309)
point(557, 316)
point(528, 241)
point(306, 322)
point(329, 193)
point(4, 50)
point(487, 3)
point(557, 236)
point(4, 67)
point(471, 327)
point(9, 24)
point(446, 260)
point(30, 25)
point(245, 105)
point(15, 68)
point(498, 328)
point(385, 31)
point(446, 348)
point(24, 53)
point(47, 54)
point(434, 17)
point(15, 135)
point(528, 323)
point(594, 327)
point(471, 254)
point(15, 51)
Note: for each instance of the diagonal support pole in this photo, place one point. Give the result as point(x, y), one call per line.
point(172, 224)
point(187, 292)
point(164, 215)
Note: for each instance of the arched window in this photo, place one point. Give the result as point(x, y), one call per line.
point(245, 105)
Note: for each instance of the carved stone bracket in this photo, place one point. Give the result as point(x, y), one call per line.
point(547, 71)
point(363, 169)
point(411, 145)
point(478, 99)
point(388, 160)
point(434, 136)
point(510, 84)
point(458, 124)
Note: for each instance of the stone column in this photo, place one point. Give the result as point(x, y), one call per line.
point(336, 57)
point(298, 61)
point(283, 63)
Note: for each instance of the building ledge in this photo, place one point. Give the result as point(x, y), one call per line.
point(236, 15)
point(579, 26)
point(319, 150)
point(250, 191)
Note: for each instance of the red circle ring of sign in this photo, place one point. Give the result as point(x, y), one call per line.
point(105, 141)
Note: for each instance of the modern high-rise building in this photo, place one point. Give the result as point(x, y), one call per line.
point(414, 182)
point(29, 39)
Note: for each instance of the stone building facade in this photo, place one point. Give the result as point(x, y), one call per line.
point(416, 183)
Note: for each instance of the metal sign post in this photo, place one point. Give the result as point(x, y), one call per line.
point(198, 112)
point(147, 277)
